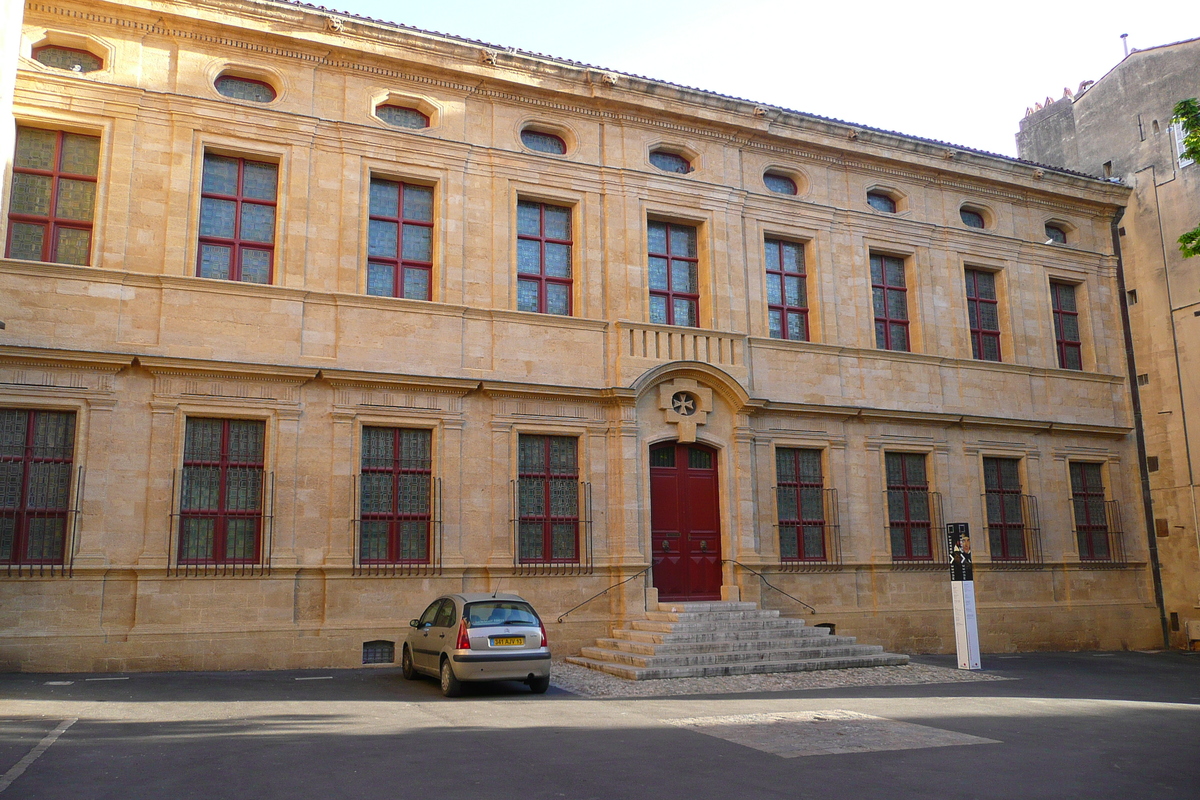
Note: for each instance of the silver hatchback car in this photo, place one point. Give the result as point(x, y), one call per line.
point(478, 637)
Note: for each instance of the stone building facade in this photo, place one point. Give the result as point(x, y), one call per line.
point(1120, 127)
point(311, 317)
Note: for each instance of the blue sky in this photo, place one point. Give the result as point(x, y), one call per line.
point(958, 71)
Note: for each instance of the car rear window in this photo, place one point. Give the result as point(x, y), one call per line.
point(500, 612)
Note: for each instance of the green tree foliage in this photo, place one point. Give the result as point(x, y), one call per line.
point(1187, 115)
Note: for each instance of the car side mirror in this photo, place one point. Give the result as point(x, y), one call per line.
point(412, 623)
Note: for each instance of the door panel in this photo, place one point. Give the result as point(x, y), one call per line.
point(685, 528)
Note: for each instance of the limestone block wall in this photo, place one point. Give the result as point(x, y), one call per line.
point(135, 344)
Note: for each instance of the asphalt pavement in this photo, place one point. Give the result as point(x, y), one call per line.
point(1066, 725)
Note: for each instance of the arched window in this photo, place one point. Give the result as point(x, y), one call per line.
point(68, 58)
point(245, 89)
point(971, 218)
point(779, 184)
point(402, 117)
point(670, 162)
point(543, 142)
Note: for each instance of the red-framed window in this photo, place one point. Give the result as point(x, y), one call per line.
point(548, 498)
point(787, 293)
point(909, 519)
point(1091, 519)
point(237, 219)
point(53, 200)
point(544, 249)
point(674, 275)
point(400, 240)
point(1066, 326)
point(983, 312)
point(395, 496)
point(220, 508)
point(36, 452)
point(1002, 496)
point(68, 58)
point(890, 298)
point(800, 493)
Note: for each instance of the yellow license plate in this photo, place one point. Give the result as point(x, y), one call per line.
point(508, 641)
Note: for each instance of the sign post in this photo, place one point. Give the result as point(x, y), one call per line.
point(962, 590)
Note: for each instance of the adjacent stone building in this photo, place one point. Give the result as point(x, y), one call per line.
point(1120, 127)
point(312, 317)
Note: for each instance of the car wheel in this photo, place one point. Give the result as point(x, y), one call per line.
point(451, 686)
point(539, 685)
point(406, 666)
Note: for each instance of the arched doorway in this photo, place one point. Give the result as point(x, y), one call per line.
point(685, 521)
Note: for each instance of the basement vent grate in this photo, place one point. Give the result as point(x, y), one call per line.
point(379, 651)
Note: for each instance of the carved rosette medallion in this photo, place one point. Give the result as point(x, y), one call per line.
point(685, 404)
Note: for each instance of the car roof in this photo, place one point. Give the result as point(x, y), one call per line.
point(475, 597)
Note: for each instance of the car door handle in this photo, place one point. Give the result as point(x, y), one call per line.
point(441, 636)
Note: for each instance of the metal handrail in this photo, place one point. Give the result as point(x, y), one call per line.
point(763, 578)
point(563, 615)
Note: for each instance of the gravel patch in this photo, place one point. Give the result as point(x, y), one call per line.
point(591, 683)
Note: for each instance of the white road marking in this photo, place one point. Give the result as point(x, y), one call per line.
point(58, 683)
point(35, 753)
point(107, 679)
point(318, 678)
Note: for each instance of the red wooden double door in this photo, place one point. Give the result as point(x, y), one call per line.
point(685, 526)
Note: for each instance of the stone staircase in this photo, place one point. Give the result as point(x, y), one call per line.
point(701, 640)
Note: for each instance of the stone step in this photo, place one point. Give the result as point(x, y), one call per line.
point(715, 625)
point(710, 671)
point(724, 645)
point(707, 605)
point(704, 616)
point(664, 637)
point(717, 659)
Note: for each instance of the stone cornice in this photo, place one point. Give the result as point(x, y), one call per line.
point(545, 82)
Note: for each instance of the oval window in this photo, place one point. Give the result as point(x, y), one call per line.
point(670, 162)
point(779, 184)
point(543, 142)
point(1055, 234)
point(881, 202)
point(972, 219)
point(402, 117)
point(67, 58)
point(245, 89)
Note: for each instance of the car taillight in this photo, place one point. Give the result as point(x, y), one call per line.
point(464, 641)
point(542, 625)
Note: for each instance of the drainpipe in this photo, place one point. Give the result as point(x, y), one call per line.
point(1139, 435)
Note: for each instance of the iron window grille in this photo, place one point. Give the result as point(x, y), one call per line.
point(224, 500)
point(914, 512)
point(1099, 531)
point(787, 293)
point(400, 240)
point(544, 250)
point(552, 520)
point(674, 275)
point(983, 313)
point(237, 219)
point(809, 533)
point(68, 58)
point(53, 199)
point(39, 506)
point(1066, 326)
point(397, 528)
point(890, 300)
point(1013, 527)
